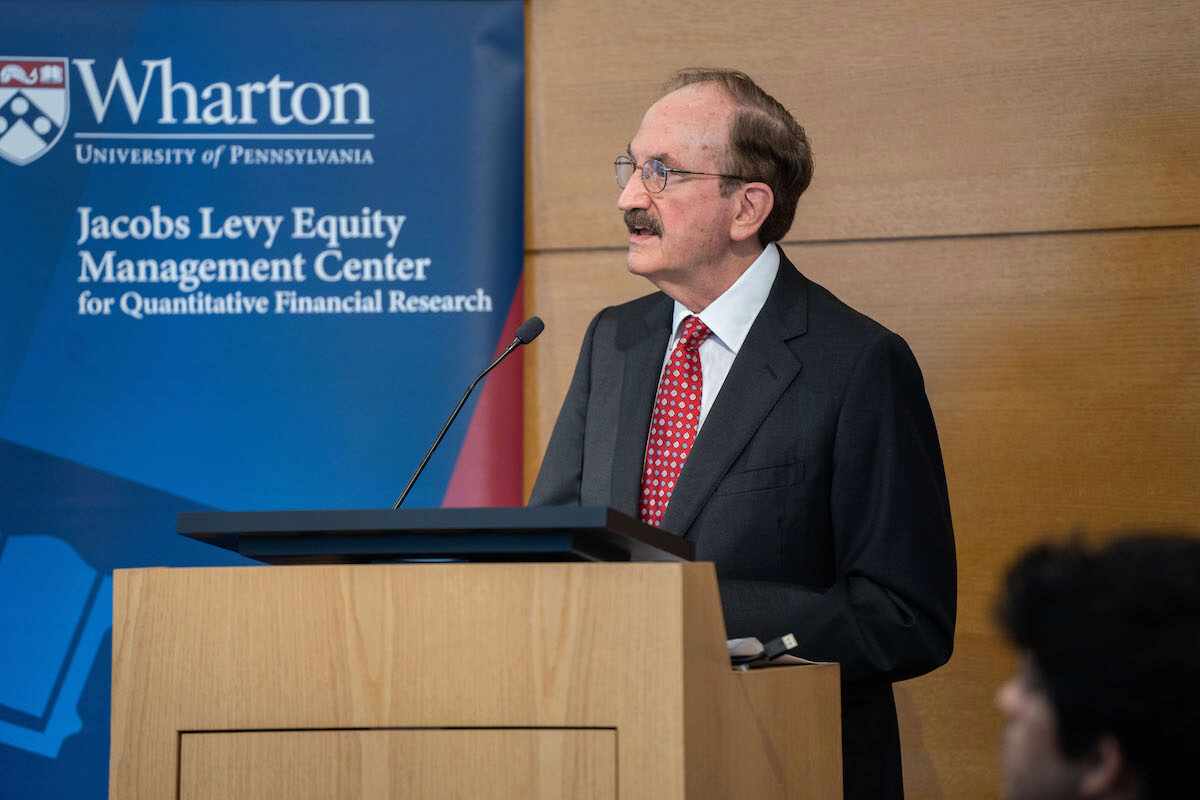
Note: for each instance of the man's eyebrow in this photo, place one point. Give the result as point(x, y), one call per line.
point(664, 158)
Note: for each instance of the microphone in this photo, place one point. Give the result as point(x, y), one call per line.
point(529, 330)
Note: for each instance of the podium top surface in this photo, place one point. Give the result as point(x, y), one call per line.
point(543, 533)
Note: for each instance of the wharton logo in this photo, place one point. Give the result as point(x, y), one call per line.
point(278, 101)
point(33, 106)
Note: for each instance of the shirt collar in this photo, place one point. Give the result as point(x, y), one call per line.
point(730, 316)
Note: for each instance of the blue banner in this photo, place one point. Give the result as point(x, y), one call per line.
point(253, 253)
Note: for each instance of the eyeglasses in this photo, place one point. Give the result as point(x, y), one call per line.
point(654, 173)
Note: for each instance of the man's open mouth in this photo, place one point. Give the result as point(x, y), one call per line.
point(640, 223)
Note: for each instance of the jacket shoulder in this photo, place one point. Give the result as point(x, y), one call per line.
point(825, 315)
point(827, 309)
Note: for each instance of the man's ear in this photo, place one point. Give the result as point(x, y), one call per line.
point(755, 201)
point(1105, 769)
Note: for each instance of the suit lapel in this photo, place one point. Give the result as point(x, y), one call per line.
point(643, 345)
point(762, 370)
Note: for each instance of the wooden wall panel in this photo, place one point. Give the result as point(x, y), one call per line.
point(1063, 363)
point(1064, 370)
point(1064, 374)
point(939, 117)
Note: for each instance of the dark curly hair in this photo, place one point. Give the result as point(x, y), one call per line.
point(1115, 635)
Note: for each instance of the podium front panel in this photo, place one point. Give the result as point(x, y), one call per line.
point(417, 764)
point(594, 680)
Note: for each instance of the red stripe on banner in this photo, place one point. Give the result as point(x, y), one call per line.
point(490, 466)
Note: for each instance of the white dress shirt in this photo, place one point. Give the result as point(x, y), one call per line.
point(729, 317)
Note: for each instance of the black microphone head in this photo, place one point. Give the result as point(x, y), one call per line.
point(530, 329)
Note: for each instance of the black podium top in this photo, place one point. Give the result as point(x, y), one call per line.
point(544, 533)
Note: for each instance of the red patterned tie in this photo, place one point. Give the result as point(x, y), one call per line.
point(675, 421)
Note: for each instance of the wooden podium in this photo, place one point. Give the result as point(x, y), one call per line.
point(478, 680)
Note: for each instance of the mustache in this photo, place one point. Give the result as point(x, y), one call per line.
point(640, 218)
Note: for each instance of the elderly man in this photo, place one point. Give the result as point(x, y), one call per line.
point(746, 408)
point(1106, 702)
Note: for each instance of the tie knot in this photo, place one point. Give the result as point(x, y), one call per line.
point(694, 333)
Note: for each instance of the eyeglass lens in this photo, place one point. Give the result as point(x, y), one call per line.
point(625, 169)
point(654, 173)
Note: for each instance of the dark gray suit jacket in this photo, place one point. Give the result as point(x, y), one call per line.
point(815, 486)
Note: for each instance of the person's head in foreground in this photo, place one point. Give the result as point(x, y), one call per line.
point(1106, 701)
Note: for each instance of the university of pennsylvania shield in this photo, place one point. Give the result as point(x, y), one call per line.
point(34, 106)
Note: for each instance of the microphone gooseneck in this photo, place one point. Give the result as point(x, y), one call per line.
point(529, 330)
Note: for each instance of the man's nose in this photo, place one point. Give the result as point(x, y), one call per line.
point(634, 195)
